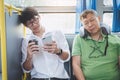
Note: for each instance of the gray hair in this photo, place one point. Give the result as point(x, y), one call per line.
point(86, 12)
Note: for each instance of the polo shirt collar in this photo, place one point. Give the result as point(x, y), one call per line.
point(104, 36)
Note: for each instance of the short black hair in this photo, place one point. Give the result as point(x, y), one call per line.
point(27, 14)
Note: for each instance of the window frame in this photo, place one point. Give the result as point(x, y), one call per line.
point(101, 8)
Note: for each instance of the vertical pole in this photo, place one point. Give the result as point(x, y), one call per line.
point(24, 31)
point(3, 41)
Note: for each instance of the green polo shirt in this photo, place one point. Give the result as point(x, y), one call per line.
point(94, 63)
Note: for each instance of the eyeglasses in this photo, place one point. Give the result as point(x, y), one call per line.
point(34, 20)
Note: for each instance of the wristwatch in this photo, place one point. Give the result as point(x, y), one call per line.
point(60, 52)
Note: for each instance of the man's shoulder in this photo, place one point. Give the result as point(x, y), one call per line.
point(77, 36)
point(28, 37)
point(114, 37)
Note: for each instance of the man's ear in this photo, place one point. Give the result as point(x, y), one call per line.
point(99, 18)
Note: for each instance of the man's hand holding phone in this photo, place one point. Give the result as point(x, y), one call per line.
point(47, 40)
point(32, 47)
point(49, 44)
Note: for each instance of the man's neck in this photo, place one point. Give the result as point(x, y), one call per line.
point(97, 36)
point(40, 32)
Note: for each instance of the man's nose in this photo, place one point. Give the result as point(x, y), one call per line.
point(34, 23)
point(89, 24)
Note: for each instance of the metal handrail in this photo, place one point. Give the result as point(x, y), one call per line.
point(11, 7)
point(3, 41)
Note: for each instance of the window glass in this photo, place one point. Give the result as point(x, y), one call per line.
point(42, 2)
point(107, 18)
point(108, 2)
point(58, 21)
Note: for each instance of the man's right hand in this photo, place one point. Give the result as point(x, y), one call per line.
point(32, 49)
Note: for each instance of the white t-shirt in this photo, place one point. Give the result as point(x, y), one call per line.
point(47, 65)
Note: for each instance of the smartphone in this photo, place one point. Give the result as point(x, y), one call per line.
point(34, 40)
point(47, 39)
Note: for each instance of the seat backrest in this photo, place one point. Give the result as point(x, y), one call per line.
point(68, 65)
point(70, 39)
point(13, 47)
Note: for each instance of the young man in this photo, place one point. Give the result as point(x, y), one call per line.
point(96, 55)
point(45, 61)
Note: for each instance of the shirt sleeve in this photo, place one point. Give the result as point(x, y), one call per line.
point(76, 48)
point(119, 49)
point(117, 40)
point(119, 46)
point(61, 41)
point(24, 53)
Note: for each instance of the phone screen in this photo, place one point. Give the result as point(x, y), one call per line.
point(47, 39)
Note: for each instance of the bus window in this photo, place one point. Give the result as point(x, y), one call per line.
point(107, 18)
point(108, 2)
point(42, 2)
point(58, 21)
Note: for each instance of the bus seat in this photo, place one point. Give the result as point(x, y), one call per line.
point(68, 65)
